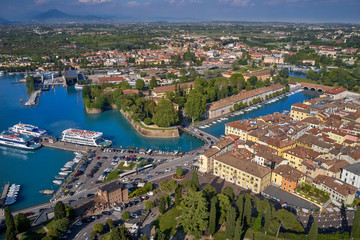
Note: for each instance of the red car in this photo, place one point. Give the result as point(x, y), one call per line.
point(98, 157)
point(29, 214)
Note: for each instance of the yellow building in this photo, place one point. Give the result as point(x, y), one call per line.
point(299, 114)
point(297, 155)
point(281, 145)
point(338, 137)
point(239, 128)
point(245, 174)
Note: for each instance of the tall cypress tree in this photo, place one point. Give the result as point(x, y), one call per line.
point(355, 229)
point(238, 229)
point(212, 218)
point(178, 195)
point(247, 211)
point(257, 223)
point(10, 225)
point(195, 180)
point(240, 205)
point(59, 210)
point(162, 205)
point(313, 233)
point(230, 223)
point(267, 218)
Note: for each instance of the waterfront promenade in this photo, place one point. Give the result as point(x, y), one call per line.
point(68, 146)
point(32, 99)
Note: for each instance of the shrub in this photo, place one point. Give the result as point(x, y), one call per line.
point(147, 121)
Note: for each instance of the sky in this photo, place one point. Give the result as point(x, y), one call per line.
point(307, 11)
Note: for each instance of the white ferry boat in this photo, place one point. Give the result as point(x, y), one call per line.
point(78, 86)
point(85, 137)
point(18, 140)
point(27, 129)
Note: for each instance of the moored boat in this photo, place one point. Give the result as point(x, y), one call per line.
point(57, 182)
point(47, 192)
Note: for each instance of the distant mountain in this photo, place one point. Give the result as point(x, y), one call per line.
point(3, 21)
point(54, 15)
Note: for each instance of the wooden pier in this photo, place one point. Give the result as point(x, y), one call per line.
point(33, 97)
point(5, 190)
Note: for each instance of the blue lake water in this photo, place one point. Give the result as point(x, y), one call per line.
point(63, 108)
point(59, 109)
point(297, 74)
point(283, 104)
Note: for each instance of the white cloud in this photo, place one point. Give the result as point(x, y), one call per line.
point(240, 3)
point(94, 1)
point(38, 2)
point(132, 4)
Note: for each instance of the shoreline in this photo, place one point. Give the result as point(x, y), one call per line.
point(151, 133)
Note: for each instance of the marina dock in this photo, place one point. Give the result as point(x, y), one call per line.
point(33, 97)
point(5, 190)
point(68, 146)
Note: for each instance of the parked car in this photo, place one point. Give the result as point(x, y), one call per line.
point(168, 169)
point(79, 223)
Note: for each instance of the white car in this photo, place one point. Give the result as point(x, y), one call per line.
point(167, 169)
point(185, 164)
point(78, 223)
point(150, 193)
point(117, 209)
point(78, 184)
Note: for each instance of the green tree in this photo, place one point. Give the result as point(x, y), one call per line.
point(284, 73)
point(98, 227)
point(22, 223)
point(59, 210)
point(355, 230)
point(252, 80)
point(143, 74)
point(257, 224)
point(179, 171)
point(169, 186)
point(125, 215)
point(195, 105)
point(153, 83)
point(194, 217)
point(61, 225)
point(312, 75)
point(238, 229)
point(230, 223)
point(149, 205)
point(288, 221)
point(139, 84)
point(10, 225)
point(30, 83)
point(212, 218)
point(120, 233)
point(224, 204)
point(162, 205)
point(165, 115)
point(178, 195)
point(209, 192)
point(313, 232)
point(240, 204)
point(247, 210)
point(229, 191)
point(110, 222)
point(144, 237)
point(70, 213)
point(195, 180)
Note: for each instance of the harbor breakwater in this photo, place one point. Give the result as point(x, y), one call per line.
point(152, 133)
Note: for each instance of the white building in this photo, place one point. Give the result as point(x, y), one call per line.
point(351, 174)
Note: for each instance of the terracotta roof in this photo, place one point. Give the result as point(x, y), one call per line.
point(335, 184)
point(110, 79)
point(336, 90)
point(169, 88)
point(300, 105)
point(302, 152)
point(243, 165)
point(210, 152)
point(130, 91)
point(243, 95)
point(288, 172)
point(240, 124)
